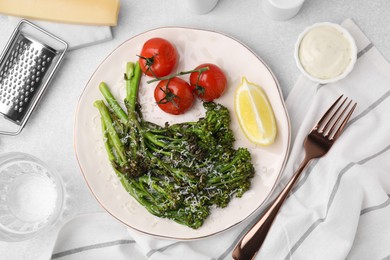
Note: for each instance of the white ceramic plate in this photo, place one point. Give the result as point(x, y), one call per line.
point(194, 47)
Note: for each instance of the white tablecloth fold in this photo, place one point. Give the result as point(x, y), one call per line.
point(340, 209)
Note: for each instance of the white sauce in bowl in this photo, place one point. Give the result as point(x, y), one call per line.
point(326, 52)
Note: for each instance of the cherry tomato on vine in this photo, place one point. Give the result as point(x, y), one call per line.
point(174, 96)
point(209, 84)
point(158, 57)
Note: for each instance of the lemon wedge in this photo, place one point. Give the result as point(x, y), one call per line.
point(254, 113)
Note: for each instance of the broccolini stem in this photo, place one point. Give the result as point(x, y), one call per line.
point(154, 139)
point(106, 140)
point(105, 114)
point(128, 76)
point(109, 145)
point(112, 102)
point(155, 149)
point(132, 85)
point(132, 187)
point(219, 181)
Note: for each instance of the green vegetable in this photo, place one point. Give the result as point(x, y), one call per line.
point(175, 171)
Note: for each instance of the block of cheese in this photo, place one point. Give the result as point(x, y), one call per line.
point(94, 12)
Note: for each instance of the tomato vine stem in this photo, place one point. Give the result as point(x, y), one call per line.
point(200, 71)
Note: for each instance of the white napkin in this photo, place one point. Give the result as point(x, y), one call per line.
point(94, 236)
point(77, 36)
point(340, 208)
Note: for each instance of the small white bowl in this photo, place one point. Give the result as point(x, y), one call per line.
point(324, 45)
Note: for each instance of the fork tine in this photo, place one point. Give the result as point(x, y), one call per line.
point(342, 126)
point(327, 113)
point(329, 132)
point(326, 126)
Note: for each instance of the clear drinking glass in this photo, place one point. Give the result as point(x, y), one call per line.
point(31, 196)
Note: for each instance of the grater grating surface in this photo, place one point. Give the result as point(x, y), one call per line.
point(26, 67)
point(21, 74)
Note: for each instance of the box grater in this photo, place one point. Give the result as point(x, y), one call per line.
point(27, 64)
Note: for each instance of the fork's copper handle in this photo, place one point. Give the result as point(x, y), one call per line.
point(251, 242)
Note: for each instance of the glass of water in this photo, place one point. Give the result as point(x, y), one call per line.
point(31, 196)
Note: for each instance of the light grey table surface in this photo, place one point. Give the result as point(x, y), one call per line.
point(49, 132)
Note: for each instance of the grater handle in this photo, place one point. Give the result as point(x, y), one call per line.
point(48, 38)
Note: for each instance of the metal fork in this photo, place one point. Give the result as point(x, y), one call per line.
point(317, 144)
